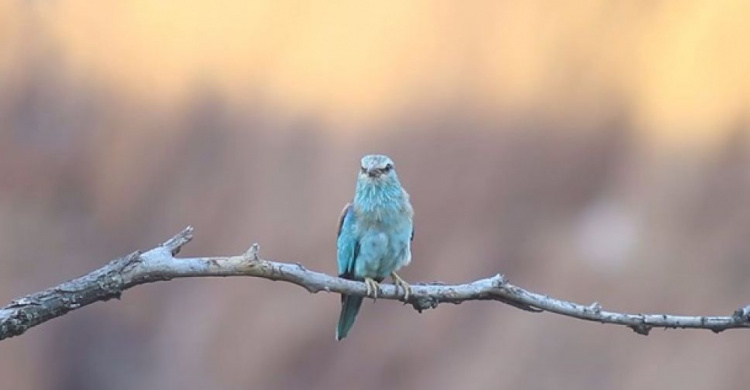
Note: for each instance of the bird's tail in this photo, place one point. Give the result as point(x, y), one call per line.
point(349, 308)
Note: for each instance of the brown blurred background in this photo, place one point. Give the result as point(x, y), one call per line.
point(593, 151)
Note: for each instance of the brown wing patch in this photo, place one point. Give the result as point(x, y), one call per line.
point(343, 215)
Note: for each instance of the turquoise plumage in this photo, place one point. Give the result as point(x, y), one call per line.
point(375, 233)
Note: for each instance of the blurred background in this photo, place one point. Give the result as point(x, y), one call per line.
point(592, 151)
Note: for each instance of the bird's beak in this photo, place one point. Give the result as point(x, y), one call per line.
point(373, 172)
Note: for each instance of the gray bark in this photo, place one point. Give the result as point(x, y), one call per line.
point(160, 264)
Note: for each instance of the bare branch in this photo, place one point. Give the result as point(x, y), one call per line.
point(160, 264)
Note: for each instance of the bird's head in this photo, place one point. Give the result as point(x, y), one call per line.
point(377, 168)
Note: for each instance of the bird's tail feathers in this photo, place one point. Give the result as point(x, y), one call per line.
point(350, 305)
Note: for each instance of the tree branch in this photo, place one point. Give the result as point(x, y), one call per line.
point(160, 264)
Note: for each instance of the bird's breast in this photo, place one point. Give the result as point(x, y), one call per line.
point(383, 214)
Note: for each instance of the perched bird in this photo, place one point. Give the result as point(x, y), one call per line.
point(375, 233)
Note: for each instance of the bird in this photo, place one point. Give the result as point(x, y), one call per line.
point(375, 234)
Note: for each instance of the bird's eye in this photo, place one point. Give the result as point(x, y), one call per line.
point(388, 167)
point(362, 169)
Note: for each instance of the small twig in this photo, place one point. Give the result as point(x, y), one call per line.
point(252, 253)
point(160, 264)
point(176, 243)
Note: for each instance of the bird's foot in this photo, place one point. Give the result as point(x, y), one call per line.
point(401, 283)
point(373, 288)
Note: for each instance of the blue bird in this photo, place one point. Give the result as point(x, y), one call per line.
point(375, 233)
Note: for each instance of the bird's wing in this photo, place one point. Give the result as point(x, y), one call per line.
point(342, 217)
point(347, 243)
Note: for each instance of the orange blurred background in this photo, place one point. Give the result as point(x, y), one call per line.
point(592, 151)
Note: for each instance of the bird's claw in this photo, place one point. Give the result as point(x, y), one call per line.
point(373, 288)
point(401, 283)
